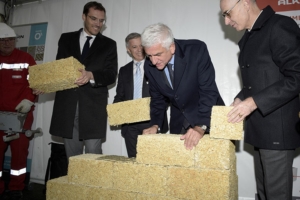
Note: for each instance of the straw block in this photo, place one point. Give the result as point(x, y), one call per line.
point(164, 149)
point(154, 197)
point(96, 193)
point(215, 154)
point(55, 76)
point(220, 128)
point(59, 188)
point(189, 183)
point(133, 177)
point(130, 111)
point(90, 169)
point(168, 149)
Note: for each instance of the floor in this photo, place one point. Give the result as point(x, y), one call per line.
point(34, 192)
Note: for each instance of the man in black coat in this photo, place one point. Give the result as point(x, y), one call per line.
point(181, 72)
point(131, 86)
point(269, 61)
point(79, 115)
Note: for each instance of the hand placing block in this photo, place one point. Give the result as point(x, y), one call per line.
point(130, 111)
point(221, 128)
point(55, 76)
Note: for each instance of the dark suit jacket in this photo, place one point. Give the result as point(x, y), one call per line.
point(101, 60)
point(270, 67)
point(124, 92)
point(195, 90)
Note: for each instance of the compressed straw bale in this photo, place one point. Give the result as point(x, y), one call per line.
point(221, 128)
point(140, 178)
point(55, 76)
point(164, 149)
point(105, 194)
point(213, 153)
point(59, 188)
point(189, 183)
point(130, 111)
point(91, 170)
point(154, 197)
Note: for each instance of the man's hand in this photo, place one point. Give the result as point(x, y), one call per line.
point(241, 110)
point(24, 106)
point(152, 130)
point(37, 92)
point(192, 137)
point(85, 77)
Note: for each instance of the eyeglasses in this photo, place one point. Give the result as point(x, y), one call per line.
point(94, 19)
point(11, 39)
point(227, 13)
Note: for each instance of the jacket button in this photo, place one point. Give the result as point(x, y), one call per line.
point(244, 86)
point(248, 65)
point(249, 87)
point(242, 67)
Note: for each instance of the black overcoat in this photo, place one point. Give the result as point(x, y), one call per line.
point(101, 60)
point(270, 67)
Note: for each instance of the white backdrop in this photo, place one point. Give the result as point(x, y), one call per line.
point(189, 19)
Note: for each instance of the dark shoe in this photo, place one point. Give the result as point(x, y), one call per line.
point(15, 195)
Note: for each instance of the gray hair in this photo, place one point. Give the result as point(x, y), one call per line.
point(130, 37)
point(157, 34)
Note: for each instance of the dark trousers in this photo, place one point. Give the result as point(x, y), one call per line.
point(274, 175)
point(131, 136)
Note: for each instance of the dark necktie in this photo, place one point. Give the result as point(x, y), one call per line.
point(86, 47)
point(171, 73)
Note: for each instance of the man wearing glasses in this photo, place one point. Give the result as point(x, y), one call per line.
point(79, 115)
point(269, 62)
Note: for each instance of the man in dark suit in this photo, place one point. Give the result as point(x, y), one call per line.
point(269, 61)
point(79, 115)
point(181, 72)
point(132, 86)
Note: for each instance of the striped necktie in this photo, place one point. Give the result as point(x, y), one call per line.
point(138, 82)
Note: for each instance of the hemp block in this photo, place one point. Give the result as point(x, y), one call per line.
point(154, 197)
point(220, 128)
point(97, 193)
point(189, 183)
point(134, 177)
point(59, 188)
point(91, 170)
point(130, 111)
point(215, 154)
point(164, 149)
point(55, 76)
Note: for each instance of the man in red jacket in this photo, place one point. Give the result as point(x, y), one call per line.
point(15, 96)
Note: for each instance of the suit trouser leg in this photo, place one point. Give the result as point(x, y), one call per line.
point(274, 175)
point(74, 146)
point(131, 137)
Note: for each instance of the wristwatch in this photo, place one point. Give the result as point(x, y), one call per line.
point(203, 127)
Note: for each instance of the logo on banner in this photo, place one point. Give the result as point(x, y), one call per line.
point(37, 34)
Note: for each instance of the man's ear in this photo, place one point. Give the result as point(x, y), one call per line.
point(172, 48)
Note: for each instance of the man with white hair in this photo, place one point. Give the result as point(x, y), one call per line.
point(16, 96)
point(180, 72)
point(269, 62)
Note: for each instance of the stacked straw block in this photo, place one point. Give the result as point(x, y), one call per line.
point(115, 177)
point(129, 111)
point(55, 76)
point(163, 169)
